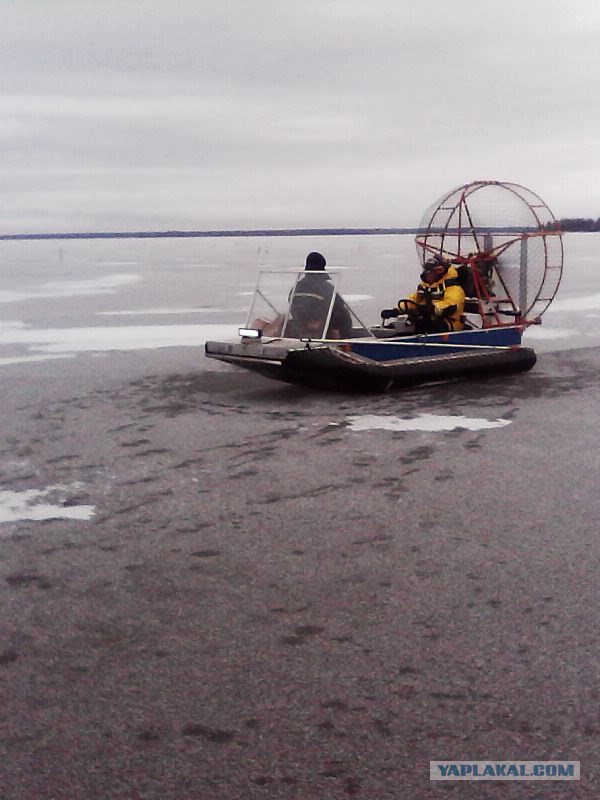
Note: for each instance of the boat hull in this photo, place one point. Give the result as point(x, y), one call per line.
point(368, 366)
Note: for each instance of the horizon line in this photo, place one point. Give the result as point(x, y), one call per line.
point(177, 234)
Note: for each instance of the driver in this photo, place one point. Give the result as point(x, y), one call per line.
point(438, 304)
point(310, 304)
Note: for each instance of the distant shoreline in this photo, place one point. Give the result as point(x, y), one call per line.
point(256, 233)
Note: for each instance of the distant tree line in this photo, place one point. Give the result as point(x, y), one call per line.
point(574, 224)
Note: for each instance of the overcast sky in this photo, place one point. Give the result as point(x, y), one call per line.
point(153, 114)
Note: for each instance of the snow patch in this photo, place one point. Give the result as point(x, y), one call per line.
point(587, 303)
point(105, 284)
point(57, 342)
point(152, 311)
point(26, 359)
point(540, 332)
point(32, 504)
point(357, 298)
point(424, 422)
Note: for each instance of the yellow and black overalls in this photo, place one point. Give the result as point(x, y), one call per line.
point(445, 300)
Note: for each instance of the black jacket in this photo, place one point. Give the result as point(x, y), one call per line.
point(311, 301)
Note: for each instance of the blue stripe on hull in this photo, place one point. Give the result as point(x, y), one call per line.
point(389, 350)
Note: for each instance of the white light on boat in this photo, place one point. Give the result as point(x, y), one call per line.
point(249, 333)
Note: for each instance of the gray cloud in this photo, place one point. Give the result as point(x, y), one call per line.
point(226, 114)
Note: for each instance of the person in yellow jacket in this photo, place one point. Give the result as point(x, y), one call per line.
point(438, 304)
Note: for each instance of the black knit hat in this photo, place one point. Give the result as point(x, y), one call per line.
point(315, 261)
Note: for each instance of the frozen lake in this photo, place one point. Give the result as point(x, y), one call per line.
point(60, 299)
point(215, 581)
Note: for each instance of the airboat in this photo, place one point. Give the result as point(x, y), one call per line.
point(503, 241)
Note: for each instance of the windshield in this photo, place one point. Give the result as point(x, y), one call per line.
point(301, 305)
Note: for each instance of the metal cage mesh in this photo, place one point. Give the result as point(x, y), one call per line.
point(505, 220)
